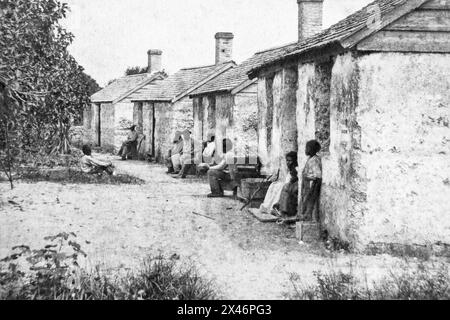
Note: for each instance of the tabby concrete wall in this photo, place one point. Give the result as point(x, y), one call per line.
point(403, 115)
point(169, 119)
point(122, 120)
point(204, 117)
point(387, 170)
point(224, 119)
point(342, 197)
point(245, 124)
point(277, 133)
point(147, 127)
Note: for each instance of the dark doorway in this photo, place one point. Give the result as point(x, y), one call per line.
point(153, 131)
point(98, 125)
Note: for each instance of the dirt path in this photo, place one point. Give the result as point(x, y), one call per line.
point(119, 225)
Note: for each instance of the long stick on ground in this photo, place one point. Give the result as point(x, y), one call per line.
point(202, 215)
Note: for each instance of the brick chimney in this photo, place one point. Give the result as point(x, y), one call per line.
point(310, 16)
point(154, 61)
point(224, 47)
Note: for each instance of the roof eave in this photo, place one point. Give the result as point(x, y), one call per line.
point(156, 76)
point(210, 92)
point(203, 82)
point(351, 41)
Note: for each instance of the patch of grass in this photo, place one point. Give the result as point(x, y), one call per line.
point(75, 176)
point(419, 282)
point(54, 275)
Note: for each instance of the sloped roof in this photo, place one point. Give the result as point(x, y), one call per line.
point(235, 77)
point(350, 31)
point(179, 84)
point(121, 87)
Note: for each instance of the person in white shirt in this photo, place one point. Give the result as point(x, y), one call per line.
point(91, 165)
point(223, 172)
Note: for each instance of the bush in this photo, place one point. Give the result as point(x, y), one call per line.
point(413, 283)
point(54, 275)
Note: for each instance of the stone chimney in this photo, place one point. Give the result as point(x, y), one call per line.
point(154, 61)
point(310, 16)
point(224, 47)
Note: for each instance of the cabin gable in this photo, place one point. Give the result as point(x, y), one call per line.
point(425, 29)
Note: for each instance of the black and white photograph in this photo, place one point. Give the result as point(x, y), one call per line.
point(225, 150)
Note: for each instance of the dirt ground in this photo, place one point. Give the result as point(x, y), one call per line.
point(118, 226)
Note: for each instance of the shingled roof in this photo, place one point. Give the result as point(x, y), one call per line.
point(122, 87)
point(180, 84)
point(234, 78)
point(348, 32)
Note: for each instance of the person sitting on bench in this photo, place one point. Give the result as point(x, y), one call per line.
point(173, 160)
point(223, 172)
point(286, 207)
point(208, 155)
point(192, 153)
point(91, 165)
point(131, 142)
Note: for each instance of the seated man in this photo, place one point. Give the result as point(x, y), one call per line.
point(223, 172)
point(208, 155)
point(129, 144)
point(173, 159)
point(91, 165)
point(191, 155)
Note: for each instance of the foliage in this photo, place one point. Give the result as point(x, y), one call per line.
point(419, 282)
point(251, 122)
point(43, 89)
point(52, 270)
point(54, 274)
point(135, 70)
point(69, 175)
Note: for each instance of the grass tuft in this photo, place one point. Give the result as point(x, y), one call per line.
point(419, 282)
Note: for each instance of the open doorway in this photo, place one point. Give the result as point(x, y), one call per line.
point(98, 124)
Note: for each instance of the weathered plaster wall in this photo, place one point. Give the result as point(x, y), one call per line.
point(404, 114)
point(162, 129)
point(209, 116)
point(147, 126)
point(122, 118)
point(107, 125)
point(387, 170)
point(264, 125)
point(169, 119)
point(344, 194)
point(198, 110)
point(88, 134)
point(277, 104)
point(245, 124)
point(224, 119)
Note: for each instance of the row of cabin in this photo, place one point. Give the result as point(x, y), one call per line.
point(374, 89)
point(195, 98)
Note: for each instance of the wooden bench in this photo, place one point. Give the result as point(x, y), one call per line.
point(244, 168)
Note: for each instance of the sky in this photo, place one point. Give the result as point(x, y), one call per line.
point(111, 35)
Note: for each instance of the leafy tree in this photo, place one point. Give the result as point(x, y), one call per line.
point(135, 70)
point(42, 86)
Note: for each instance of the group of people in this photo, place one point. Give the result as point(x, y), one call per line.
point(187, 152)
point(282, 196)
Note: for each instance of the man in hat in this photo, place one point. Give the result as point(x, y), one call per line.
point(129, 144)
